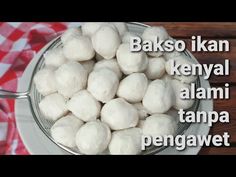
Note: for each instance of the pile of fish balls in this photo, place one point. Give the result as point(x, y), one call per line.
point(101, 97)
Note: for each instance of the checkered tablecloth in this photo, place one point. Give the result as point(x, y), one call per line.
point(19, 42)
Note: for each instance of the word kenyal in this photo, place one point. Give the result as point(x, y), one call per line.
point(199, 69)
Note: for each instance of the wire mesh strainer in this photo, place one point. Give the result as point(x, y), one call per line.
point(34, 97)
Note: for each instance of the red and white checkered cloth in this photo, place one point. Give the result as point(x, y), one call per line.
point(19, 42)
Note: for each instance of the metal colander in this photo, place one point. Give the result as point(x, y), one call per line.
point(34, 97)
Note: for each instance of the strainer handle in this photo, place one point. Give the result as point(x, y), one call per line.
point(13, 95)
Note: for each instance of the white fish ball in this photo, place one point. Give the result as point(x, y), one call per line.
point(167, 77)
point(141, 123)
point(103, 84)
point(64, 130)
point(70, 78)
point(119, 114)
point(110, 64)
point(127, 35)
point(53, 106)
point(173, 113)
point(151, 33)
point(159, 96)
point(54, 57)
point(89, 28)
point(131, 62)
point(79, 48)
point(84, 106)
point(142, 111)
point(106, 41)
point(121, 27)
point(70, 33)
point(181, 103)
point(156, 68)
point(45, 81)
point(133, 87)
point(159, 125)
point(93, 137)
point(126, 142)
point(88, 65)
